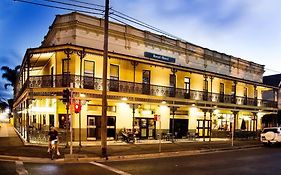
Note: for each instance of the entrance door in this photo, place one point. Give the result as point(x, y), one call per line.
point(147, 128)
point(91, 128)
point(180, 127)
point(146, 82)
point(94, 127)
point(203, 131)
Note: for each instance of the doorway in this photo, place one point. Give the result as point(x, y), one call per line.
point(203, 131)
point(146, 128)
point(94, 127)
point(180, 127)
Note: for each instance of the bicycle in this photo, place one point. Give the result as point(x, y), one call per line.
point(53, 150)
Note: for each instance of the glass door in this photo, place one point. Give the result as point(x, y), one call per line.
point(147, 128)
point(203, 131)
point(91, 128)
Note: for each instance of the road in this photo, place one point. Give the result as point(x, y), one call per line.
point(251, 161)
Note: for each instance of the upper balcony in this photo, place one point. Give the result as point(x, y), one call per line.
point(59, 81)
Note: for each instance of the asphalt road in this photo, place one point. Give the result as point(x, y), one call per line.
point(252, 161)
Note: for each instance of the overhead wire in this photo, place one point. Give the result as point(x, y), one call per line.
point(117, 14)
point(57, 7)
point(74, 5)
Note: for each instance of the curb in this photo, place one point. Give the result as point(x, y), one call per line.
point(77, 159)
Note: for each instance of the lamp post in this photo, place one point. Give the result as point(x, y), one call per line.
point(104, 85)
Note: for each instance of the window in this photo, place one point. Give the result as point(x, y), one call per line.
point(187, 87)
point(65, 66)
point(114, 78)
point(89, 74)
point(172, 85)
point(245, 92)
point(233, 89)
point(221, 98)
point(245, 95)
point(65, 73)
point(89, 68)
point(146, 82)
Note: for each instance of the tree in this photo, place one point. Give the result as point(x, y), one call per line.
point(10, 75)
point(3, 106)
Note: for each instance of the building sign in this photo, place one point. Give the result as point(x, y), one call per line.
point(159, 57)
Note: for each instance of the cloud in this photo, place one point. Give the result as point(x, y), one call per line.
point(247, 29)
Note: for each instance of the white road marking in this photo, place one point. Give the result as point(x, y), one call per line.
point(20, 168)
point(110, 168)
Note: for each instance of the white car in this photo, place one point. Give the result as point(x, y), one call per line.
point(271, 135)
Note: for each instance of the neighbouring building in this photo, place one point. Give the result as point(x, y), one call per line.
point(273, 119)
point(193, 89)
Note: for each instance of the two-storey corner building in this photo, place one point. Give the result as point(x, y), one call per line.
point(194, 90)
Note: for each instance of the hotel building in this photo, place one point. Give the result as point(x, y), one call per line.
point(191, 89)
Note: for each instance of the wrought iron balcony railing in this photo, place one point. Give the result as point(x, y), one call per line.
point(86, 82)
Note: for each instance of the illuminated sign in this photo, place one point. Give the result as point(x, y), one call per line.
point(159, 57)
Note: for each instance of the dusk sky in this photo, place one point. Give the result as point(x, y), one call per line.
point(249, 29)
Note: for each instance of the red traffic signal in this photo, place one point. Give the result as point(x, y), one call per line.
point(77, 107)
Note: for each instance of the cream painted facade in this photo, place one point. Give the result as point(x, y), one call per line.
point(212, 92)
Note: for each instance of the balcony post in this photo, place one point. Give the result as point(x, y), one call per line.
point(255, 95)
point(173, 122)
point(235, 91)
point(27, 101)
point(211, 115)
point(211, 87)
point(134, 63)
point(204, 127)
point(81, 55)
point(68, 52)
point(205, 90)
point(234, 119)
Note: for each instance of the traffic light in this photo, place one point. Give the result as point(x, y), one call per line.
point(65, 95)
point(77, 107)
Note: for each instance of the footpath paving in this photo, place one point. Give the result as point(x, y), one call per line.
point(12, 147)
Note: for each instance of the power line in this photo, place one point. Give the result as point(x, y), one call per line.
point(87, 3)
point(57, 7)
point(74, 5)
point(143, 23)
point(119, 15)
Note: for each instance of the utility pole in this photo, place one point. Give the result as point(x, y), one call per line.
point(104, 85)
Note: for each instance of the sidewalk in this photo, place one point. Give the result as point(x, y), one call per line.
point(11, 145)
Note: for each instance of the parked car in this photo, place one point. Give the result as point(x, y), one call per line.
point(271, 135)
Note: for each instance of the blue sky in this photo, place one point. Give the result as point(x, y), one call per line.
point(249, 29)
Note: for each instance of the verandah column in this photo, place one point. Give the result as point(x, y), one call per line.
point(211, 115)
point(204, 127)
point(135, 64)
point(234, 119)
